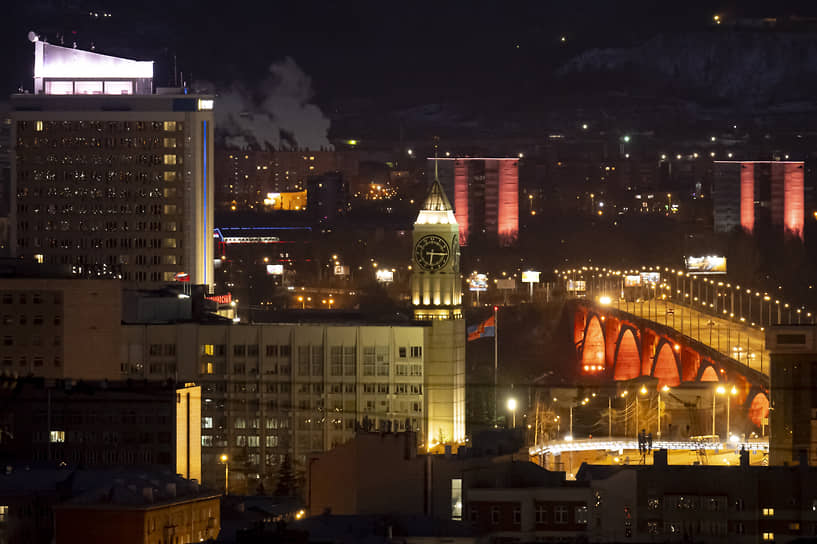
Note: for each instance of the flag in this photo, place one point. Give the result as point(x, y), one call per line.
point(486, 328)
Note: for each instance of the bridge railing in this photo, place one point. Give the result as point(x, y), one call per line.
point(621, 444)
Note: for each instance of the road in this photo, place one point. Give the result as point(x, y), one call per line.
point(740, 342)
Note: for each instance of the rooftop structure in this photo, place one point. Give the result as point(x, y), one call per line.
point(62, 70)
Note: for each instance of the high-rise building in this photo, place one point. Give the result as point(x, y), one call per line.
point(436, 295)
point(744, 191)
point(486, 196)
point(109, 177)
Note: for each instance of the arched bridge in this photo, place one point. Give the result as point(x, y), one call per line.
point(614, 345)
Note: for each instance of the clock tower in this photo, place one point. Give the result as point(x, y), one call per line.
point(436, 286)
point(436, 297)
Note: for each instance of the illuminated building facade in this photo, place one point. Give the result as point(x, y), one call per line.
point(108, 177)
point(436, 295)
point(745, 192)
point(244, 178)
point(486, 196)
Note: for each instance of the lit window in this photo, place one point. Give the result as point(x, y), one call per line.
point(57, 436)
point(768, 537)
point(39, 126)
point(170, 176)
point(456, 498)
point(205, 104)
point(170, 160)
point(207, 423)
point(170, 242)
point(118, 87)
point(87, 87)
point(768, 512)
point(170, 143)
point(207, 349)
point(170, 126)
point(169, 209)
point(4, 511)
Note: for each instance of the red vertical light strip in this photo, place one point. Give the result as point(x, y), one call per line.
point(793, 198)
point(747, 196)
point(508, 223)
point(461, 198)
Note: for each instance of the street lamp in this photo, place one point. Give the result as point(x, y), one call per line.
point(225, 459)
point(721, 390)
point(664, 389)
point(512, 408)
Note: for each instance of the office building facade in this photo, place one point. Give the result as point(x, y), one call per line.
point(99, 424)
point(48, 324)
point(108, 177)
point(284, 389)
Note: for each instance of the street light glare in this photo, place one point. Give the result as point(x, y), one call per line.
point(223, 457)
point(511, 404)
point(721, 390)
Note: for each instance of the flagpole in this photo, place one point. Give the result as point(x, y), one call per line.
point(496, 360)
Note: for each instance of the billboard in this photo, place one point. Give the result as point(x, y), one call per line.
point(506, 284)
point(341, 270)
point(478, 282)
point(710, 264)
point(632, 281)
point(650, 277)
point(384, 276)
point(275, 270)
point(530, 276)
point(576, 285)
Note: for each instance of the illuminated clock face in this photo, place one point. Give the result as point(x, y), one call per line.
point(455, 251)
point(432, 252)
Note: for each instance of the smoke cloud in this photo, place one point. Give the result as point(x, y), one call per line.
point(276, 114)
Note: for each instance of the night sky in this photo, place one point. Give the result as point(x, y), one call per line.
point(399, 51)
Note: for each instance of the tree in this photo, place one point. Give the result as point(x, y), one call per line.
point(286, 485)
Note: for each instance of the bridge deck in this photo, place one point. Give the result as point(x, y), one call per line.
point(743, 343)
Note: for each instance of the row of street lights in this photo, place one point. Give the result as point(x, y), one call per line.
point(661, 411)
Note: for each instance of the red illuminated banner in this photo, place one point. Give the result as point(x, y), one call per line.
point(221, 299)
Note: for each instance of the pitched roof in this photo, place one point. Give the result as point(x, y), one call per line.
point(436, 201)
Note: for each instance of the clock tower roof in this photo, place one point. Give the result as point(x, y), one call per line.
point(436, 201)
point(436, 209)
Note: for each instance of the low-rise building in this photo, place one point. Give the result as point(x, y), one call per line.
point(139, 509)
point(43, 504)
